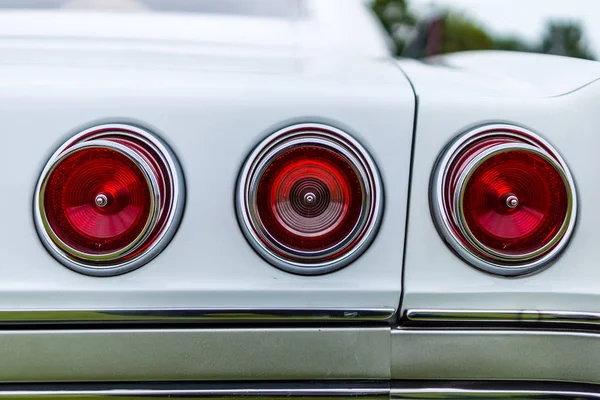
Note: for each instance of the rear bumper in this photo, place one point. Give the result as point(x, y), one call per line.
point(305, 391)
point(297, 353)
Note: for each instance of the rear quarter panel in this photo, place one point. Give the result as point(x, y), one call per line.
point(560, 103)
point(212, 120)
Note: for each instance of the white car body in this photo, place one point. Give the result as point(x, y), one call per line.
point(213, 87)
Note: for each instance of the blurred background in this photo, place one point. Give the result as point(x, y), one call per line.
point(421, 28)
point(418, 28)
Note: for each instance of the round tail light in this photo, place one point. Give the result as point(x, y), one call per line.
point(309, 199)
point(504, 200)
point(109, 200)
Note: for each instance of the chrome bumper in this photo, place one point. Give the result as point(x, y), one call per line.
point(297, 353)
point(308, 391)
point(429, 345)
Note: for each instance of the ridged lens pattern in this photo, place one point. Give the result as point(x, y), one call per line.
point(109, 200)
point(97, 200)
point(309, 198)
point(538, 208)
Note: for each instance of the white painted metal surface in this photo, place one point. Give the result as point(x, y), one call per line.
point(194, 82)
point(554, 97)
point(317, 29)
point(214, 86)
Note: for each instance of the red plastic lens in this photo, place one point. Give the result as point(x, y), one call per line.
point(504, 200)
point(109, 200)
point(310, 199)
point(515, 202)
point(97, 200)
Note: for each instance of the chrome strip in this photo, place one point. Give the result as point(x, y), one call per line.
point(251, 354)
point(503, 316)
point(439, 391)
point(193, 393)
point(458, 393)
point(450, 390)
point(189, 315)
point(495, 354)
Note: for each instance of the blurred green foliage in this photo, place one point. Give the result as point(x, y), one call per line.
point(566, 39)
point(460, 33)
point(396, 19)
point(452, 32)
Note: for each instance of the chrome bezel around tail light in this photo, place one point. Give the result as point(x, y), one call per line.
point(448, 184)
point(295, 260)
point(165, 181)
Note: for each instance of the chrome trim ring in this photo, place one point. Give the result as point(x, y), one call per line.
point(103, 136)
point(449, 221)
point(284, 257)
point(463, 180)
point(154, 206)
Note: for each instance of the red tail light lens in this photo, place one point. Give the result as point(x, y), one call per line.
point(504, 200)
point(515, 202)
point(109, 200)
point(312, 194)
point(309, 199)
point(98, 200)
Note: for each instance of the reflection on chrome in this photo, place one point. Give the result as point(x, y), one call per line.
point(462, 391)
point(502, 316)
point(189, 315)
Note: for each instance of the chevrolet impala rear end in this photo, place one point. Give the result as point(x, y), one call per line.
point(255, 199)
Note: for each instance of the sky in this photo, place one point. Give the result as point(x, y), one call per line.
point(527, 18)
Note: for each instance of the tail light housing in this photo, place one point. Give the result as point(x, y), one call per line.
point(109, 200)
point(309, 199)
point(504, 200)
